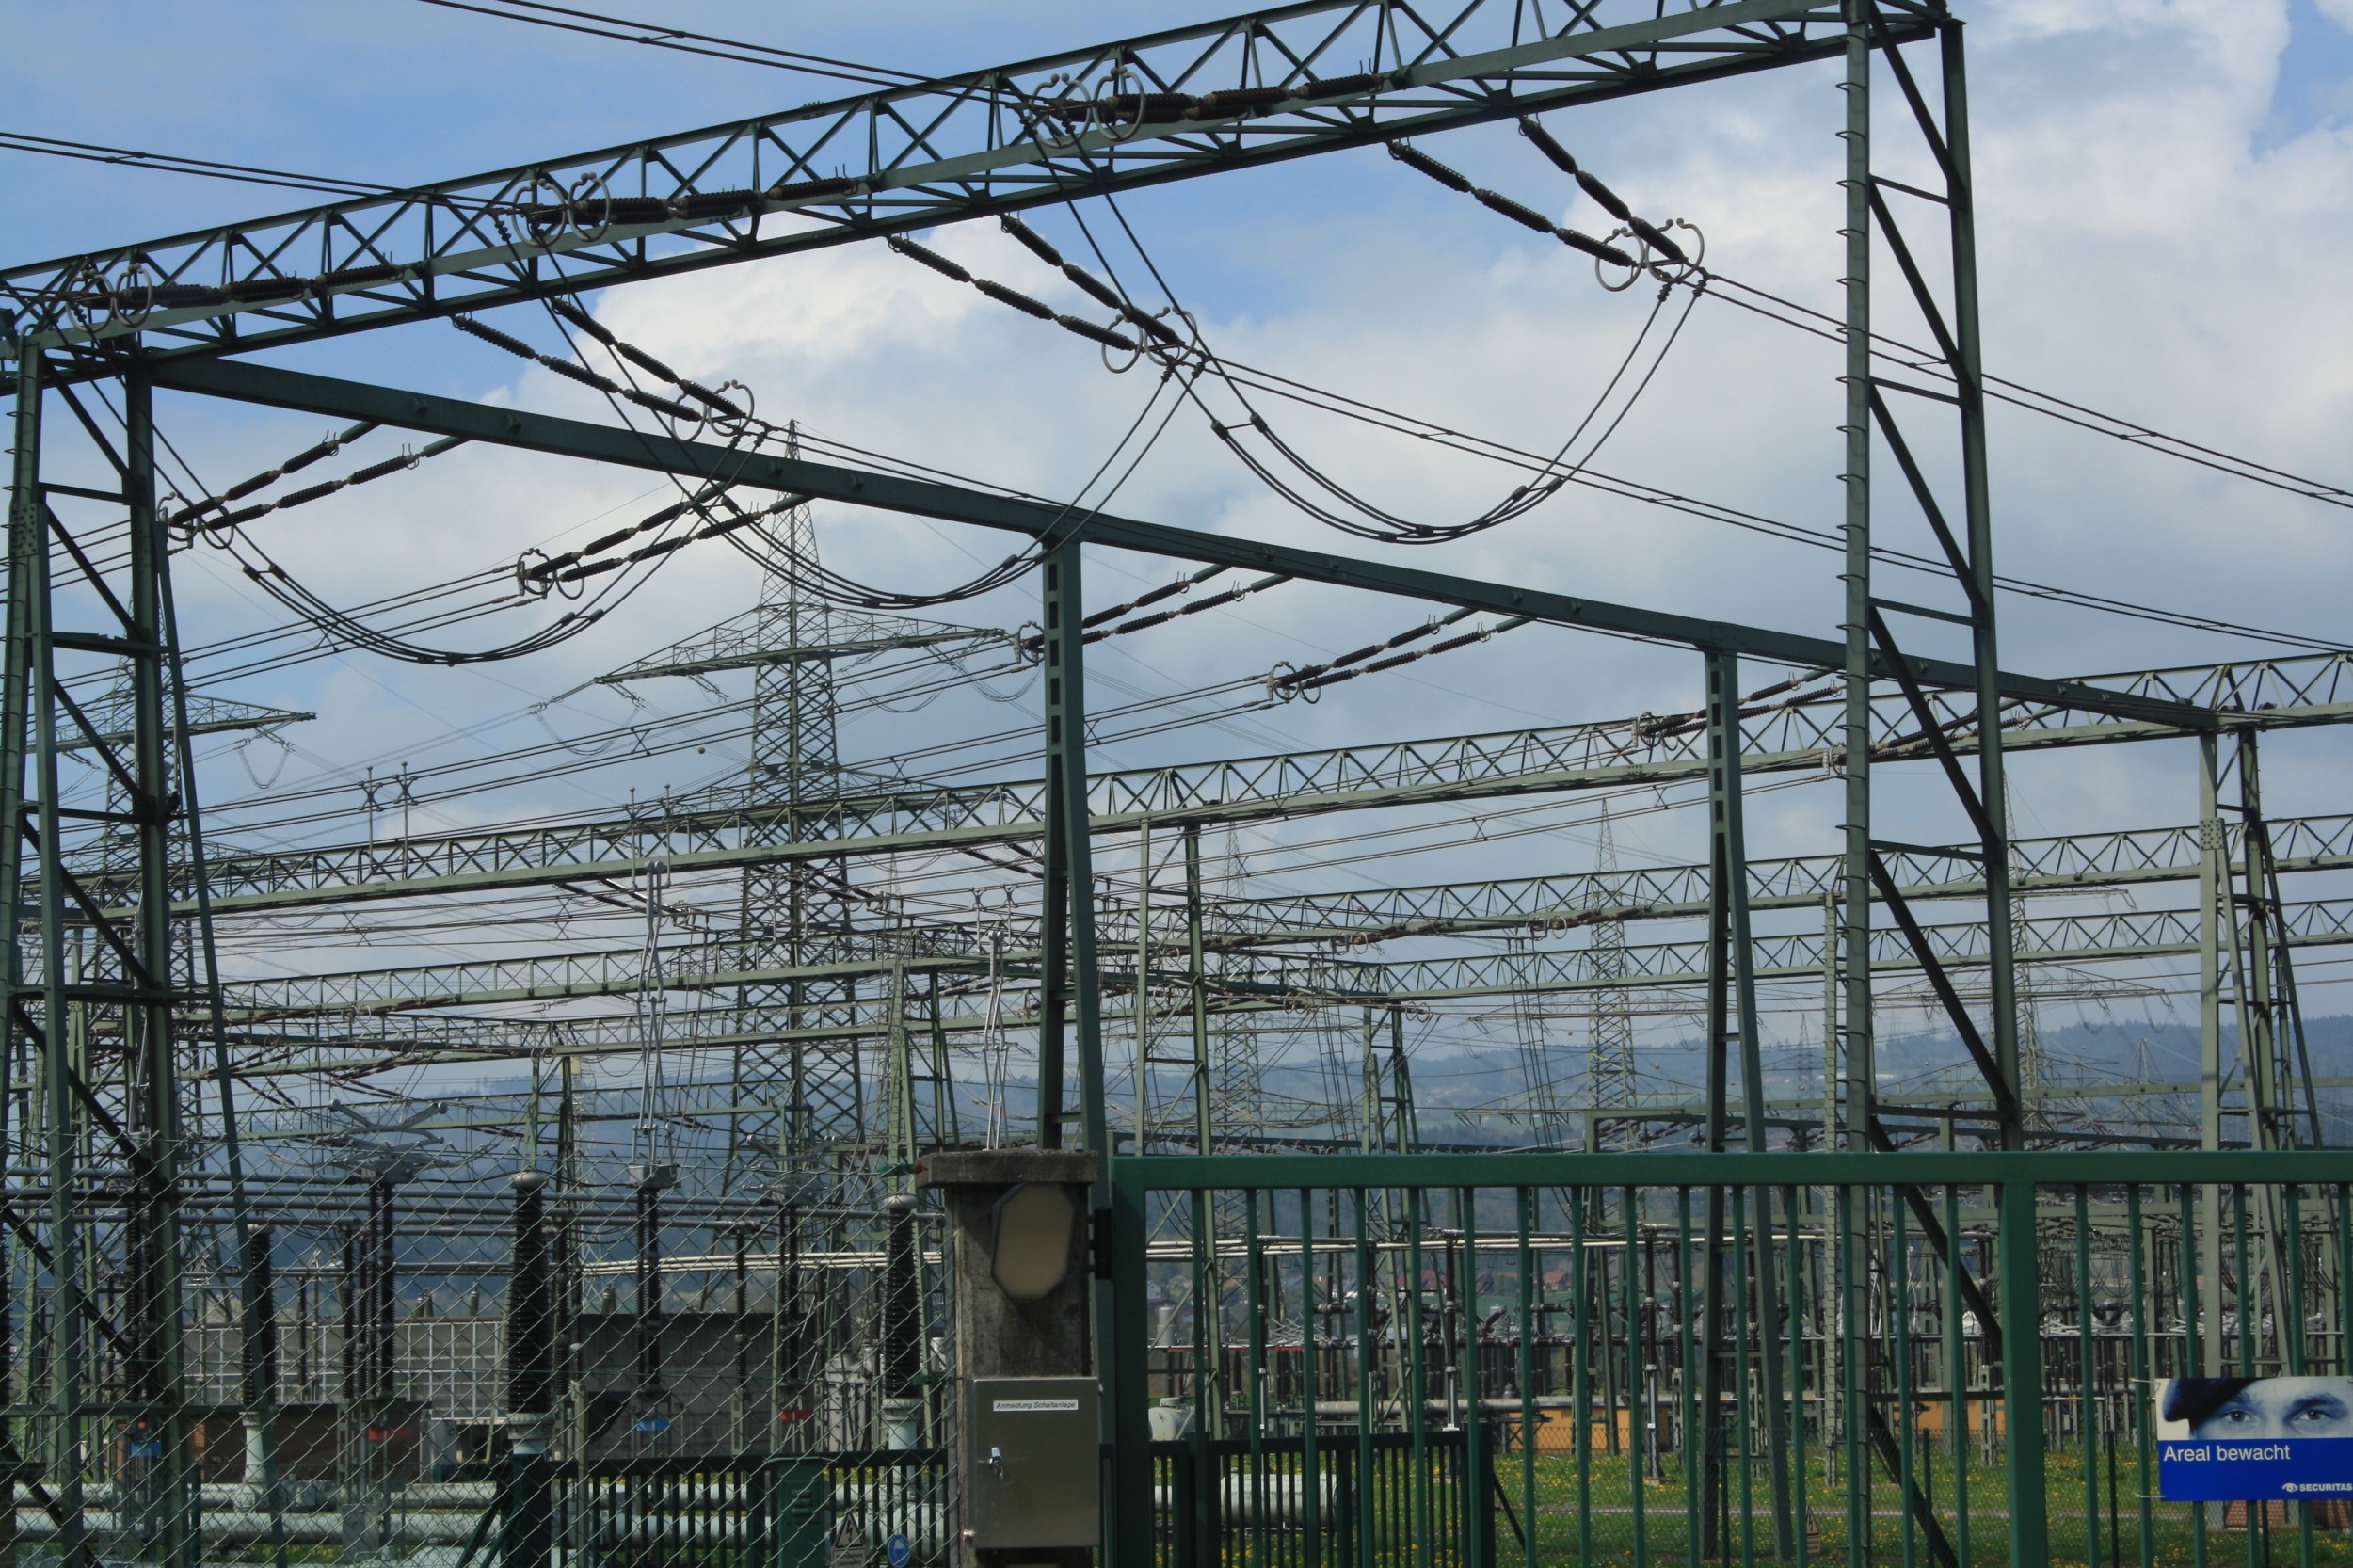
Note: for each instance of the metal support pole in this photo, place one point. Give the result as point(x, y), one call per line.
point(1142, 1008)
point(26, 712)
point(1729, 877)
point(527, 1523)
point(905, 1142)
point(23, 524)
point(2022, 1377)
point(154, 1268)
point(1062, 643)
point(649, 1408)
point(1969, 387)
point(2212, 882)
point(259, 1290)
point(1855, 934)
point(1071, 977)
point(1197, 985)
point(901, 1320)
point(1208, 1283)
point(1714, 1286)
point(1855, 1022)
point(1402, 1084)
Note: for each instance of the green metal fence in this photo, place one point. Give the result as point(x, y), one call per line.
point(1930, 1359)
point(720, 1511)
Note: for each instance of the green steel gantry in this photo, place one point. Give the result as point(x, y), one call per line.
point(100, 1180)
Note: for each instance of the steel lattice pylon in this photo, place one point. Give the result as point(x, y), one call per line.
point(795, 913)
point(1610, 1079)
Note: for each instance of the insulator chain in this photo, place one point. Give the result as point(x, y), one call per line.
point(1654, 240)
point(192, 519)
point(1031, 643)
point(1094, 287)
point(1285, 683)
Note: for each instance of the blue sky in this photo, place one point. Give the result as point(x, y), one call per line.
point(2165, 218)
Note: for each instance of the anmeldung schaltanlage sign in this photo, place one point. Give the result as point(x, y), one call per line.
point(2254, 1439)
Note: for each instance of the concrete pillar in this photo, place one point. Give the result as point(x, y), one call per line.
point(1027, 1433)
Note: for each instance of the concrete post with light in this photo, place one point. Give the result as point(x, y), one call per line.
point(1027, 1433)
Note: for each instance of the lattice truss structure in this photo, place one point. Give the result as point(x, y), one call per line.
point(262, 1208)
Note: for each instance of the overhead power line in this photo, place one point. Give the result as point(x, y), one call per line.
point(621, 29)
point(174, 162)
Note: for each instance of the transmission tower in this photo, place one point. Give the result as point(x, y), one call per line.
point(794, 912)
point(798, 1060)
point(1610, 1084)
point(1543, 1106)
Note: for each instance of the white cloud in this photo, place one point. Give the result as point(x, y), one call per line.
point(2139, 254)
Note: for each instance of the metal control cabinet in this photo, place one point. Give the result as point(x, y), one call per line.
point(1033, 1466)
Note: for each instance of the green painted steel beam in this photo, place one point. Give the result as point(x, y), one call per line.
point(333, 1042)
point(901, 158)
point(1397, 774)
point(1044, 521)
point(478, 1112)
point(1537, 903)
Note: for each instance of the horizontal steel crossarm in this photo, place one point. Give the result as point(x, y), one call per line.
point(2049, 939)
point(1266, 982)
point(495, 1109)
point(207, 715)
point(910, 157)
point(1664, 893)
point(748, 642)
point(1036, 520)
point(923, 820)
point(1582, 898)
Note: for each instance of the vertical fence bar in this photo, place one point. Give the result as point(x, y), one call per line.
point(1581, 1375)
point(2244, 1302)
point(2022, 1375)
point(1689, 1427)
point(1799, 1523)
point(2294, 1326)
point(2088, 1371)
point(1900, 1352)
point(1130, 1348)
point(1414, 1369)
point(1253, 1306)
point(1957, 1406)
point(1637, 1414)
point(1525, 1217)
point(1853, 1300)
point(1478, 1470)
point(2139, 1399)
point(1363, 1377)
point(2344, 1206)
point(1311, 1466)
point(2196, 1342)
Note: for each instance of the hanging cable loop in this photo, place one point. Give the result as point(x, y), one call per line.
point(1633, 265)
point(1111, 99)
point(127, 286)
point(577, 200)
point(1107, 341)
point(1692, 261)
point(533, 585)
point(737, 423)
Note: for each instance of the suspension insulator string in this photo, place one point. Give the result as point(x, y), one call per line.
point(244, 488)
point(1038, 309)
